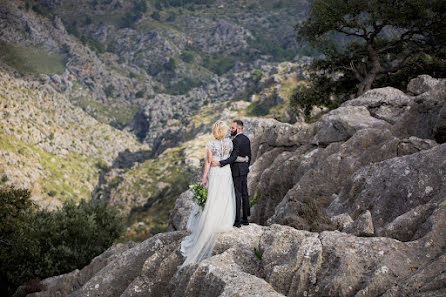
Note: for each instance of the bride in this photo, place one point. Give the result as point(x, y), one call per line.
point(219, 212)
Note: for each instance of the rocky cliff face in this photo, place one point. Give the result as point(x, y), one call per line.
point(353, 205)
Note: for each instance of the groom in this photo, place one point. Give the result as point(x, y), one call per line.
point(241, 147)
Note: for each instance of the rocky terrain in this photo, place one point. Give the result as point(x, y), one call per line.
point(50, 146)
point(114, 100)
point(157, 65)
point(352, 205)
point(106, 99)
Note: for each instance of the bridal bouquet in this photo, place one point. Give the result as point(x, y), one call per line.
point(200, 194)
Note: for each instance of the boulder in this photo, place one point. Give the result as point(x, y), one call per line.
point(340, 124)
point(342, 221)
point(387, 104)
point(440, 126)
point(362, 226)
point(116, 276)
point(422, 84)
point(179, 216)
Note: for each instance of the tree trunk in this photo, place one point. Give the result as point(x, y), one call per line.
point(366, 83)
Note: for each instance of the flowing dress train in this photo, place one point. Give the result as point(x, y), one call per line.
point(219, 212)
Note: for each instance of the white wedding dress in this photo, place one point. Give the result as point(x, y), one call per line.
point(219, 212)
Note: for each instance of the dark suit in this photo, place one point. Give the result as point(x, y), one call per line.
point(241, 147)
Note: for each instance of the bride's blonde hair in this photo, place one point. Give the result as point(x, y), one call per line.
point(219, 129)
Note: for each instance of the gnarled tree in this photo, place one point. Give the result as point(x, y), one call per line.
point(368, 41)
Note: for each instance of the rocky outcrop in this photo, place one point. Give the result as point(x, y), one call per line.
point(267, 261)
point(356, 170)
point(402, 193)
point(295, 166)
point(319, 159)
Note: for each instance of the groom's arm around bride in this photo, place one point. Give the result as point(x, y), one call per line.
point(241, 147)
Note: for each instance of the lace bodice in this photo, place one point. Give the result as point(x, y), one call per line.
point(221, 149)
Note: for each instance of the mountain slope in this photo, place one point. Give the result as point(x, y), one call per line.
point(51, 146)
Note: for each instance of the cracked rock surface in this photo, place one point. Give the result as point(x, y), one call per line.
point(353, 205)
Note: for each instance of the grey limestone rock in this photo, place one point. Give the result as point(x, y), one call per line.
point(342, 221)
point(410, 184)
point(362, 226)
point(272, 261)
point(388, 103)
point(422, 84)
point(184, 206)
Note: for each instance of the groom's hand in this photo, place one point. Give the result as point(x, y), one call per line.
point(215, 163)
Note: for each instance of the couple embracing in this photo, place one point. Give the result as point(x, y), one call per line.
point(227, 191)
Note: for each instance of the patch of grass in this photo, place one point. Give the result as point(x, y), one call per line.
point(32, 60)
point(207, 115)
point(60, 174)
point(122, 115)
point(183, 86)
point(255, 199)
point(287, 88)
point(109, 19)
point(219, 63)
point(256, 110)
point(258, 254)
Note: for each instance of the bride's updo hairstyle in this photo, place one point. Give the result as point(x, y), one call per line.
point(219, 129)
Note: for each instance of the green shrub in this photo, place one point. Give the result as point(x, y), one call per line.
point(18, 246)
point(156, 15)
point(171, 17)
point(131, 17)
point(218, 63)
point(255, 109)
point(255, 199)
point(40, 243)
point(183, 86)
point(109, 90)
point(101, 165)
point(187, 57)
point(114, 183)
point(140, 93)
point(256, 75)
point(96, 45)
point(157, 229)
point(170, 65)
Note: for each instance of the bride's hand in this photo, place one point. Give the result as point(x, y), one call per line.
point(204, 180)
point(247, 159)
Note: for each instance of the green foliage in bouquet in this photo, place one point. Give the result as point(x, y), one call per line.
point(200, 194)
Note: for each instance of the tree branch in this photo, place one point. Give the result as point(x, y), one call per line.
point(340, 30)
point(354, 70)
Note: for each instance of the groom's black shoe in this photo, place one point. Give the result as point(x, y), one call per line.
point(237, 224)
point(245, 222)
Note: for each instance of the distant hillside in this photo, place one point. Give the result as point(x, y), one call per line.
point(115, 99)
point(51, 146)
point(156, 60)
